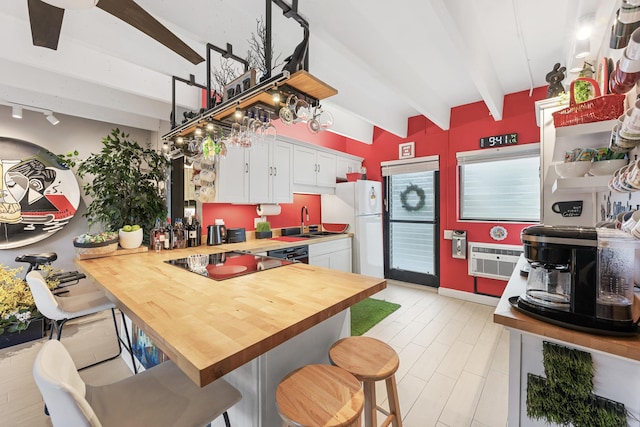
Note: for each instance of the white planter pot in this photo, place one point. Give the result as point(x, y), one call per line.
point(130, 239)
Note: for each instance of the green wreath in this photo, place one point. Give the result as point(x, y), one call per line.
point(411, 188)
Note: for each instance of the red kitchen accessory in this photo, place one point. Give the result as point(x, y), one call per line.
point(606, 107)
point(335, 228)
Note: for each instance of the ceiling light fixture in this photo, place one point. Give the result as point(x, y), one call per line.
point(238, 114)
point(210, 127)
point(198, 131)
point(275, 94)
point(585, 26)
point(51, 118)
point(583, 48)
point(180, 141)
point(16, 112)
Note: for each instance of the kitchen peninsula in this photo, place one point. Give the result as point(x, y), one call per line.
point(252, 329)
point(616, 360)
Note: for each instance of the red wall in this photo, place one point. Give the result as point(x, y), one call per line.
point(468, 124)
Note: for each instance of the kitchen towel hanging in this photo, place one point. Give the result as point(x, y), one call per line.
point(267, 210)
point(607, 107)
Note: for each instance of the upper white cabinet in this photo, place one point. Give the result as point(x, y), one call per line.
point(272, 172)
point(313, 168)
point(281, 172)
point(232, 177)
point(345, 165)
point(261, 174)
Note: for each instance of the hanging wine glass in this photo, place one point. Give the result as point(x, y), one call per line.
point(269, 130)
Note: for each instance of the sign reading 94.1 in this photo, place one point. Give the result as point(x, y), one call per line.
point(499, 140)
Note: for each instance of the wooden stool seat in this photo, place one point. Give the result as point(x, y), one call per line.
point(320, 396)
point(370, 360)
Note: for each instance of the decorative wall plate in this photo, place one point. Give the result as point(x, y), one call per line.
point(498, 233)
point(38, 196)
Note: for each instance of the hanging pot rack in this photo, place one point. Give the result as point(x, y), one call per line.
point(301, 84)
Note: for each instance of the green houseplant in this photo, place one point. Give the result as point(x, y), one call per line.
point(124, 184)
point(17, 307)
point(263, 230)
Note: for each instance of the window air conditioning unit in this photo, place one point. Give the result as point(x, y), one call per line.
point(493, 261)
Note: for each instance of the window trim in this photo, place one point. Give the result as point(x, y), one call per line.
point(494, 154)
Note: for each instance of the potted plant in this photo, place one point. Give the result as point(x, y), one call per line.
point(263, 230)
point(20, 320)
point(124, 185)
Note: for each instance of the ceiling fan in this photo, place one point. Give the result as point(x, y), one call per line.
point(46, 16)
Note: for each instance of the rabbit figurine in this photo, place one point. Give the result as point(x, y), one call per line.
point(555, 78)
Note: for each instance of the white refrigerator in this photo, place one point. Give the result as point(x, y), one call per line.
point(359, 204)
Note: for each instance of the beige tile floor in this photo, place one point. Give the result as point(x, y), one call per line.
point(453, 362)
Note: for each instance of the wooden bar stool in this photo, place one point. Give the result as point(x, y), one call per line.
point(320, 396)
point(370, 360)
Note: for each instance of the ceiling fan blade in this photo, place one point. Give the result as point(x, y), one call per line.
point(46, 22)
point(131, 13)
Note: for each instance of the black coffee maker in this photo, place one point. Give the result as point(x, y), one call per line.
point(580, 277)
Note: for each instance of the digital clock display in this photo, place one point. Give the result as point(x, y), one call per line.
point(499, 140)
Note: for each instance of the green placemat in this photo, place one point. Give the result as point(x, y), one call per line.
point(367, 313)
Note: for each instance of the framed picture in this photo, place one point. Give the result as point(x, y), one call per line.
point(406, 150)
point(239, 85)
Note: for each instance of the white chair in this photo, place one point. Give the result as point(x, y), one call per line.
point(61, 309)
point(159, 396)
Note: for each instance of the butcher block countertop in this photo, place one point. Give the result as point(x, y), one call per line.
point(628, 347)
point(209, 328)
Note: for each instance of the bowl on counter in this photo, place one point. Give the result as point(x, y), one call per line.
point(606, 167)
point(572, 169)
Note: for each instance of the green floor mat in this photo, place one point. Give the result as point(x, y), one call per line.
point(367, 313)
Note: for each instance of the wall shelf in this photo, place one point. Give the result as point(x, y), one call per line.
point(583, 184)
point(588, 135)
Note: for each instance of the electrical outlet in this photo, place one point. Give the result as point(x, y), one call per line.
point(256, 221)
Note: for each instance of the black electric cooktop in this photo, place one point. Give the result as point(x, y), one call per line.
point(226, 265)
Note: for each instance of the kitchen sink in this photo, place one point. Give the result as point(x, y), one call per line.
point(315, 234)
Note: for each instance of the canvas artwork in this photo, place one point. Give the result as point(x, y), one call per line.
point(38, 195)
point(147, 353)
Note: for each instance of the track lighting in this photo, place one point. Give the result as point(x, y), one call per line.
point(583, 48)
point(52, 119)
point(16, 112)
point(275, 94)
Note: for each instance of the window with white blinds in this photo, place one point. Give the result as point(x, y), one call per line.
point(500, 184)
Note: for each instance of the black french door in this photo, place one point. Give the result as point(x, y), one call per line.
point(411, 227)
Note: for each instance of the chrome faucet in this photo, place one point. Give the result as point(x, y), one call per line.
point(302, 212)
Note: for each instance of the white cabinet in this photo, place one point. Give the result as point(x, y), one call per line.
point(334, 254)
point(345, 165)
point(281, 172)
point(261, 174)
point(232, 176)
point(313, 168)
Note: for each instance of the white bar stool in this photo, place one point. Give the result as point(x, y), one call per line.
point(161, 396)
point(61, 309)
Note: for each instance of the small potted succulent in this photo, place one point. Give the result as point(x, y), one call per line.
point(263, 230)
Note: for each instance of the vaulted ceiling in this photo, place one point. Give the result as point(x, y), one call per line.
point(388, 60)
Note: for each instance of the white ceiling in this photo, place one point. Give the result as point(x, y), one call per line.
point(388, 60)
